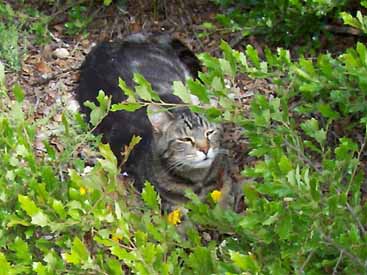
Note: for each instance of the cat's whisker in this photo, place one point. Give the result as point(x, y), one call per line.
point(175, 165)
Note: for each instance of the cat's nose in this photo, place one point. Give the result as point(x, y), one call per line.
point(203, 146)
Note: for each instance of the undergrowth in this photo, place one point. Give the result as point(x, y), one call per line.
point(282, 22)
point(306, 210)
point(26, 23)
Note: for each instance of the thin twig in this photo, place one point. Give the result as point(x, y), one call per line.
point(335, 269)
point(44, 81)
point(351, 256)
point(357, 220)
point(302, 155)
point(302, 269)
point(358, 158)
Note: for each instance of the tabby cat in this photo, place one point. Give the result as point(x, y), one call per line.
point(179, 149)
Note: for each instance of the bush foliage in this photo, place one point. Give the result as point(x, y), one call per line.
point(305, 195)
point(280, 22)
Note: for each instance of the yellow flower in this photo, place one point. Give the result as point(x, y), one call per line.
point(82, 191)
point(216, 195)
point(174, 217)
point(116, 238)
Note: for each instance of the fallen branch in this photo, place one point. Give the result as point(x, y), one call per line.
point(343, 30)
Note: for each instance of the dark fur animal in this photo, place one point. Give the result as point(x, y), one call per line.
point(179, 149)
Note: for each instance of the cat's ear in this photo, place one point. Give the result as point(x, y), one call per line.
point(159, 118)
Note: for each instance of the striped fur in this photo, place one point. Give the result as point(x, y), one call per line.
point(179, 149)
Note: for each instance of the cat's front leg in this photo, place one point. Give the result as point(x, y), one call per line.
point(231, 190)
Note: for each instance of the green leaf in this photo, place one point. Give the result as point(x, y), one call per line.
point(127, 91)
point(150, 196)
point(251, 195)
point(2, 76)
point(122, 254)
point(126, 106)
point(118, 212)
point(346, 149)
point(18, 92)
point(327, 111)
point(5, 266)
point(245, 262)
point(21, 250)
point(98, 112)
point(230, 55)
point(65, 123)
point(324, 61)
point(302, 73)
point(79, 253)
point(362, 20)
point(350, 20)
point(208, 26)
point(59, 208)
point(198, 89)
point(226, 67)
point(39, 268)
point(28, 205)
point(217, 84)
point(21, 150)
point(135, 140)
point(144, 88)
point(307, 66)
point(213, 112)
point(143, 93)
point(114, 267)
point(284, 226)
point(362, 51)
point(40, 219)
point(109, 163)
point(285, 164)
point(153, 230)
point(253, 55)
point(181, 91)
point(103, 100)
point(201, 260)
point(311, 128)
point(271, 220)
point(209, 61)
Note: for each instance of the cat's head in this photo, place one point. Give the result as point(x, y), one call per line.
point(185, 140)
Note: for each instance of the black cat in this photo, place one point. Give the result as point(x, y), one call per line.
point(179, 149)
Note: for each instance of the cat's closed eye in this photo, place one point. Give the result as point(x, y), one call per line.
point(186, 139)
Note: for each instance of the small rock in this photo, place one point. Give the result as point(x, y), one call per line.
point(73, 106)
point(206, 236)
point(61, 53)
point(85, 43)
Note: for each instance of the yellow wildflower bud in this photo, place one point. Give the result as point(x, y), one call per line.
point(116, 238)
point(216, 195)
point(82, 191)
point(174, 217)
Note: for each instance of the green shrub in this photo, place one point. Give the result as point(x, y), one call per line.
point(9, 51)
point(77, 20)
point(16, 28)
point(281, 22)
point(306, 211)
